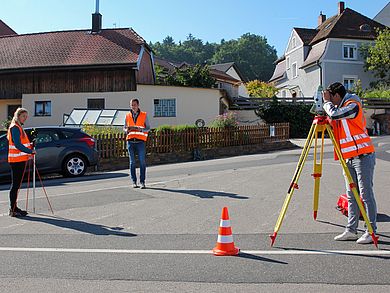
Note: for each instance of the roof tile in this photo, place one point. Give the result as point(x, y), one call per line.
point(70, 48)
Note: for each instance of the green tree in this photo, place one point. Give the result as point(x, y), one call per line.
point(192, 50)
point(253, 55)
point(191, 76)
point(378, 57)
point(261, 89)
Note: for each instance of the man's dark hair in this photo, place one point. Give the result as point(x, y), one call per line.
point(135, 100)
point(337, 88)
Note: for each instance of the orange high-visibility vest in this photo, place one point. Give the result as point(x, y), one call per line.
point(15, 155)
point(140, 123)
point(351, 134)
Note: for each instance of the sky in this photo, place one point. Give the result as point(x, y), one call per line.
point(209, 20)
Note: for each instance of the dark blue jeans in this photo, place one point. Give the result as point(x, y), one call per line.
point(139, 148)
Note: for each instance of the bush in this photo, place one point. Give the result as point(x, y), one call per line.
point(5, 124)
point(298, 115)
point(92, 129)
point(381, 93)
point(261, 89)
point(175, 128)
point(226, 120)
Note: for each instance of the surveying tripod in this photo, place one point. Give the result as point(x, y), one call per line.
point(319, 126)
point(31, 164)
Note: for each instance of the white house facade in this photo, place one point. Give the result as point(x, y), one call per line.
point(327, 54)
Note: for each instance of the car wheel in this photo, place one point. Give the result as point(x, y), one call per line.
point(74, 165)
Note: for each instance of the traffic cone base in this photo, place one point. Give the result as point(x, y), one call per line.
point(219, 252)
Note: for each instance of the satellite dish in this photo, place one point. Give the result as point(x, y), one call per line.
point(200, 123)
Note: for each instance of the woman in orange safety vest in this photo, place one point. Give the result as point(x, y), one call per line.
point(349, 127)
point(19, 152)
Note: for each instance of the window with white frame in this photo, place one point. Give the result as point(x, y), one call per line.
point(164, 107)
point(350, 51)
point(349, 82)
point(288, 62)
point(42, 108)
point(294, 68)
point(293, 42)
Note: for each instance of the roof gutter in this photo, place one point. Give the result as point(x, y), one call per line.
point(71, 67)
point(318, 64)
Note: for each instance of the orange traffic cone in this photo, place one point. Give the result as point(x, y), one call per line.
point(225, 244)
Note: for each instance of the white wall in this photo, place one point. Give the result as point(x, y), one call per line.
point(191, 104)
point(4, 107)
point(241, 89)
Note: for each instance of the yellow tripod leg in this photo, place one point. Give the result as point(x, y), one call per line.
point(317, 168)
point(294, 183)
point(352, 186)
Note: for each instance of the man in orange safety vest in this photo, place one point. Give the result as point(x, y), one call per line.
point(137, 127)
point(349, 127)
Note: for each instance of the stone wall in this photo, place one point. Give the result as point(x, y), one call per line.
point(384, 121)
point(206, 154)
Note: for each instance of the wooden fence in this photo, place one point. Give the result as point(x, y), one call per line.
point(168, 141)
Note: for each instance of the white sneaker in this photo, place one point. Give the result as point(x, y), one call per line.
point(346, 236)
point(135, 185)
point(143, 185)
point(365, 239)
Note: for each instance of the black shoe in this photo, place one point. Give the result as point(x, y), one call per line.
point(21, 212)
point(17, 213)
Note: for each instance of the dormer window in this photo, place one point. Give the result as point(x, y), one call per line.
point(350, 51)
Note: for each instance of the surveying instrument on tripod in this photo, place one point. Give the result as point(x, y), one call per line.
point(31, 164)
point(320, 125)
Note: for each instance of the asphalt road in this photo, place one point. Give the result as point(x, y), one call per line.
point(107, 237)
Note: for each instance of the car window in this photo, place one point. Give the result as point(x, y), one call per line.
point(45, 136)
point(68, 134)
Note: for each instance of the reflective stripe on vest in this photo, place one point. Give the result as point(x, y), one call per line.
point(351, 134)
point(14, 154)
point(141, 135)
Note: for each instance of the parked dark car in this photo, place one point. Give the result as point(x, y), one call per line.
point(64, 150)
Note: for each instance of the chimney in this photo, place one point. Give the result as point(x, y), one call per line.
point(96, 19)
point(341, 7)
point(321, 18)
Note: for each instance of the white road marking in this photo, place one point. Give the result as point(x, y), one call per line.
point(178, 251)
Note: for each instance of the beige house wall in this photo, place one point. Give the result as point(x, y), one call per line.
point(4, 107)
point(191, 104)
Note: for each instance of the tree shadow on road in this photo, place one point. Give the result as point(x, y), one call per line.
point(257, 257)
point(201, 193)
point(81, 226)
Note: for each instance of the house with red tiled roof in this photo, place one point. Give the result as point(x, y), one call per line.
point(78, 61)
point(61, 75)
point(326, 54)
